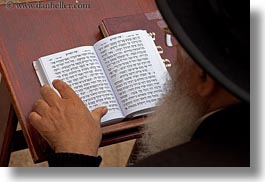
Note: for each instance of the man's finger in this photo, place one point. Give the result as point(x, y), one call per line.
point(35, 120)
point(41, 107)
point(49, 95)
point(98, 113)
point(65, 90)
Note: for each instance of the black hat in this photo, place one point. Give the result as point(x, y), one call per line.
point(215, 33)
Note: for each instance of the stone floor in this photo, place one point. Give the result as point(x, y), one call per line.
point(114, 155)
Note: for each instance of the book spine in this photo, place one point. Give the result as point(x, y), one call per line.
point(167, 62)
point(103, 30)
point(40, 73)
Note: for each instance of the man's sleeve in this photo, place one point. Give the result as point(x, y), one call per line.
point(73, 160)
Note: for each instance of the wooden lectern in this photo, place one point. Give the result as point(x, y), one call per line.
point(29, 33)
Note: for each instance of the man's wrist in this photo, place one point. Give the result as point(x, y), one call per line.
point(73, 160)
point(76, 150)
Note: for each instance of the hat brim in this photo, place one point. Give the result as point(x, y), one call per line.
point(196, 36)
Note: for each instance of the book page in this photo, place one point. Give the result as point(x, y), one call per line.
point(81, 69)
point(135, 69)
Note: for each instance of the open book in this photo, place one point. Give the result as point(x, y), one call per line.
point(123, 72)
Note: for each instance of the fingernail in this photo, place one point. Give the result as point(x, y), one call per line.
point(104, 110)
point(56, 80)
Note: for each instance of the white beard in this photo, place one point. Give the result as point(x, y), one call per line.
point(175, 121)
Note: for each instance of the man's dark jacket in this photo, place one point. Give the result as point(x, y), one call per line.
point(223, 139)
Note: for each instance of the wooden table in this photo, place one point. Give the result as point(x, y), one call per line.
point(26, 35)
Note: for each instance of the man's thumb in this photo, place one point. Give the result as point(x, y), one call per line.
point(99, 112)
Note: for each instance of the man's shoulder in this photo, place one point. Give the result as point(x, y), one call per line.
point(221, 140)
point(230, 123)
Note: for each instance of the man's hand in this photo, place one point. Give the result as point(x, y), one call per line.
point(66, 123)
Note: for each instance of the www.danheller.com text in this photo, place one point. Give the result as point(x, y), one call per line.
point(123, 72)
point(48, 5)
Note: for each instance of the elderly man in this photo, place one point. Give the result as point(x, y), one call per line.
point(204, 119)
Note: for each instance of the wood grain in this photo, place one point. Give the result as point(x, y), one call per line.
point(28, 34)
point(8, 124)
